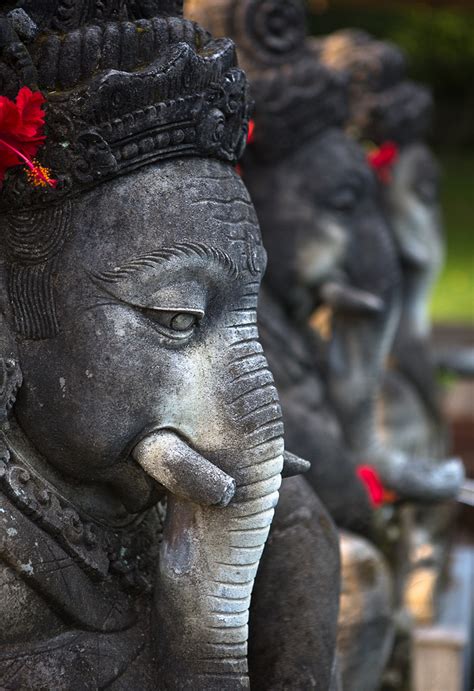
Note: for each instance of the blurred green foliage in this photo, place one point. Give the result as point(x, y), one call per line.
point(454, 296)
point(440, 47)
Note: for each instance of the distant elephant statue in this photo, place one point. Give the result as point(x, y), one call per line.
point(392, 112)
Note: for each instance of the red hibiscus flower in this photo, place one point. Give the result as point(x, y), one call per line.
point(22, 135)
point(382, 160)
point(373, 484)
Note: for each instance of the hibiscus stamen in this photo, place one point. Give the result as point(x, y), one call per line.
point(37, 174)
point(40, 176)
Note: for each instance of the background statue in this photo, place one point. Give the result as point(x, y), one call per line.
point(385, 107)
point(141, 443)
point(388, 110)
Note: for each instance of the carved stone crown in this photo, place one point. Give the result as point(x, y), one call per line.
point(120, 94)
point(384, 104)
point(67, 15)
point(296, 96)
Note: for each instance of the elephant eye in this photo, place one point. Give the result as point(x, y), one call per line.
point(427, 191)
point(344, 199)
point(181, 323)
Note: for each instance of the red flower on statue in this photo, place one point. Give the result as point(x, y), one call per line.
point(250, 139)
point(251, 132)
point(22, 135)
point(377, 492)
point(382, 159)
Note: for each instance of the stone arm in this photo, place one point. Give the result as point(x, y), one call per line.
point(301, 533)
point(22, 610)
point(35, 642)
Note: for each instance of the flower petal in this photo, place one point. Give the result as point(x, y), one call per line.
point(30, 112)
point(9, 116)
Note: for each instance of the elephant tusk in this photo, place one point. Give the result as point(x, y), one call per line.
point(173, 463)
point(344, 297)
point(294, 465)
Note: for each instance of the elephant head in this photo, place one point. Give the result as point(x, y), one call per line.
point(386, 107)
point(130, 292)
point(337, 253)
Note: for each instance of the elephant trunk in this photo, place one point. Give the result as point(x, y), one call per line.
point(357, 354)
point(210, 554)
point(357, 357)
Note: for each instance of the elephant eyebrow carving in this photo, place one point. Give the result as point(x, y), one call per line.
point(168, 254)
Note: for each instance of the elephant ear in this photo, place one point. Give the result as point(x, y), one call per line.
point(10, 372)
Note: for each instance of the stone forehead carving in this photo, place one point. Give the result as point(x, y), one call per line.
point(384, 104)
point(122, 91)
point(295, 96)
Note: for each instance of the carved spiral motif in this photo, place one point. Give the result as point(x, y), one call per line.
point(274, 28)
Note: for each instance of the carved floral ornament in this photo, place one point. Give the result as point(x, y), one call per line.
point(296, 96)
point(265, 30)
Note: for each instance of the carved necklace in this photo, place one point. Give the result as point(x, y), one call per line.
point(130, 551)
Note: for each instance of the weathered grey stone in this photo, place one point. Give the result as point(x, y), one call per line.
point(316, 202)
